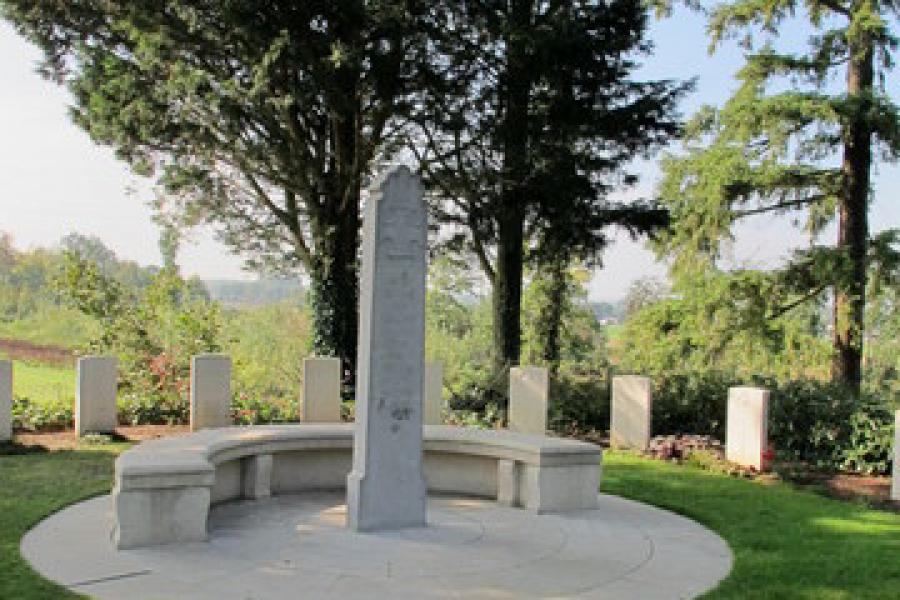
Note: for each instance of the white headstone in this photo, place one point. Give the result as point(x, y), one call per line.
point(95, 395)
point(6, 381)
point(748, 429)
point(210, 391)
point(321, 390)
point(631, 418)
point(432, 413)
point(529, 397)
point(386, 488)
point(895, 479)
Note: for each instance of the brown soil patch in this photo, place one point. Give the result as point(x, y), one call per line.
point(876, 490)
point(43, 353)
point(67, 440)
point(874, 487)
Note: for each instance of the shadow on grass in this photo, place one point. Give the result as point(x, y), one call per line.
point(14, 449)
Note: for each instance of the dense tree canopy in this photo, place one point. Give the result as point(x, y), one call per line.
point(262, 118)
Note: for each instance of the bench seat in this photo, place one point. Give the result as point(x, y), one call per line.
point(164, 488)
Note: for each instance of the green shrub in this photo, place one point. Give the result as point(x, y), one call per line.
point(868, 449)
point(579, 403)
point(809, 420)
point(690, 404)
point(267, 345)
point(251, 409)
point(47, 414)
point(488, 418)
point(826, 425)
point(147, 408)
point(348, 411)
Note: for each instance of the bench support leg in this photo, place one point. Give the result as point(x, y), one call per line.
point(508, 483)
point(557, 489)
point(257, 476)
point(146, 517)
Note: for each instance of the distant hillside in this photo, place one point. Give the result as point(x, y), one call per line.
point(263, 291)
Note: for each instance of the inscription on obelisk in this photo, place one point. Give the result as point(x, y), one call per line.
point(386, 488)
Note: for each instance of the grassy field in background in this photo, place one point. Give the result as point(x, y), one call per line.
point(787, 543)
point(53, 325)
point(613, 335)
point(44, 384)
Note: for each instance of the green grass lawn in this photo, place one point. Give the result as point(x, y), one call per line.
point(787, 543)
point(33, 486)
point(56, 325)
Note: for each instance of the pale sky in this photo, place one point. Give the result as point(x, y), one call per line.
point(54, 180)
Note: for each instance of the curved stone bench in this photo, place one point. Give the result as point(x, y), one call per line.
point(164, 488)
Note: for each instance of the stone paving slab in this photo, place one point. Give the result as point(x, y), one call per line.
point(299, 546)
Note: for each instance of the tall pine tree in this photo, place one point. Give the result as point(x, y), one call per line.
point(801, 133)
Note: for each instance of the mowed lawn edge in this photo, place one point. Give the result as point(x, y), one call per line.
point(34, 486)
point(787, 543)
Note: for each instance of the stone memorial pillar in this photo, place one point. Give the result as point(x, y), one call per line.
point(6, 381)
point(747, 426)
point(386, 488)
point(321, 390)
point(210, 391)
point(895, 478)
point(529, 395)
point(432, 413)
point(631, 419)
point(95, 395)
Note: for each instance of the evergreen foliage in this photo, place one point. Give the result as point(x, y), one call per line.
point(792, 138)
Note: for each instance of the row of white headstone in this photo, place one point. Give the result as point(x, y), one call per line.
point(746, 441)
point(746, 436)
point(631, 421)
point(210, 393)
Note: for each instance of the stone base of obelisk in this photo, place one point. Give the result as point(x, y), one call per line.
point(297, 546)
point(374, 506)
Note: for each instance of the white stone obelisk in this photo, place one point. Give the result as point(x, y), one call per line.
point(386, 488)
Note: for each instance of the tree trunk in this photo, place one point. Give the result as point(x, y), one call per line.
point(334, 291)
point(551, 314)
point(335, 280)
point(853, 227)
point(507, 293)
point(507, 298)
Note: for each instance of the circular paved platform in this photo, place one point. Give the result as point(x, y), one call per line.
point(298, 547)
